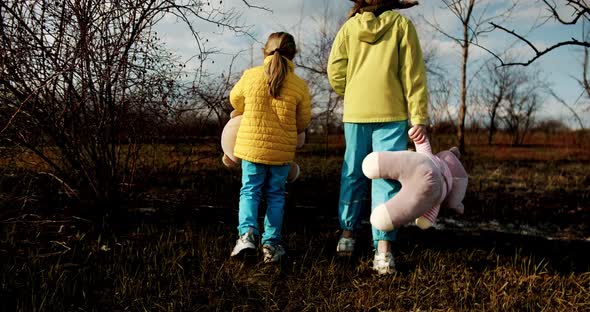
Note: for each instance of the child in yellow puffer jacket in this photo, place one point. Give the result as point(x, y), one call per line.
point(275, 106)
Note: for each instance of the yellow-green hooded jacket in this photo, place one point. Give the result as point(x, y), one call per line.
point(376, 63)
point(269, 127)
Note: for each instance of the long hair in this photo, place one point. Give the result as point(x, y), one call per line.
point(379, 6)
point(280, 45)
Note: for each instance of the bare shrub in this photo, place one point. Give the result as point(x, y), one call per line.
point(85, 83)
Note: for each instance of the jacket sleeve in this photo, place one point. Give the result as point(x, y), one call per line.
point(338, 63)
point(304, 111)
point(413, 75)
point(236, 96)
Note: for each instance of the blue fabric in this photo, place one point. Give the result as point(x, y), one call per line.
point(259, 179)
point(362, 139)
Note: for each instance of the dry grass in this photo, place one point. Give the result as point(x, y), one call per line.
point(175, 258)
point(187, 268)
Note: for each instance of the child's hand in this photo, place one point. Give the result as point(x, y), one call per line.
point(418, 134)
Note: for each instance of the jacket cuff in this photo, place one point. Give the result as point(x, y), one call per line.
point(419, 121)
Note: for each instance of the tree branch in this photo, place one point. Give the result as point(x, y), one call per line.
point(580, 13)
point(571, 109)
point(538, 53)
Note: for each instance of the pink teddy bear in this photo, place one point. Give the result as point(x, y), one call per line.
point(428, 181)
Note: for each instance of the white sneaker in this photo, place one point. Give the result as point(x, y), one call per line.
point(345, 246)
point(272, 253)
point(383, 263)
point(244, 243)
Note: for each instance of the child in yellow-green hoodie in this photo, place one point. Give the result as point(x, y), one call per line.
point(376, 64)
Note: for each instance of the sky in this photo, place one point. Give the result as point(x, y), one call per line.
point(560, 67)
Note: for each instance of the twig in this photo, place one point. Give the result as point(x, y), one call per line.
point(63, 245)
point(81, 219)
point(256, 7)
point(19, 108)
point(71, 193)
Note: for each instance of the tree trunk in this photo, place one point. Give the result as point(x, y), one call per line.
point(463, 107)
point(492, 129)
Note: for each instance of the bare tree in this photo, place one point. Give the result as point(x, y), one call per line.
point(521, 102)
point(520, 117)
point(474, 17)
point(313, 59)
point(580, 12)
point(85, 83)
point(439, 86)
point(579, 105)
point(509, 97)
point(495, 84)
point(210, 96)
point(584, 81)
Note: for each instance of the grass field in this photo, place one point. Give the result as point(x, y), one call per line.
point(522, 245)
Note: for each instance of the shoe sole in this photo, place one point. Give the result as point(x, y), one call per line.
point(390, 272)
point(344, 253)
point(246, 253)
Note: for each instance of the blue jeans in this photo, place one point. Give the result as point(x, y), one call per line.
point(362, 139)
point(256, 180)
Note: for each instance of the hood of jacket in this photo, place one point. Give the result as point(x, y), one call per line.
point(370, 28)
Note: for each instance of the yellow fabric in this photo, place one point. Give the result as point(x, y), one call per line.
point(376, 63)
point(269, 127)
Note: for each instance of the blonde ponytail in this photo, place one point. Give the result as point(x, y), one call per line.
point(281, 46)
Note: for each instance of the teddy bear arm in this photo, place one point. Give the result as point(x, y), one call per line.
point(398, 165)
point(419, 193)
point(424, 147)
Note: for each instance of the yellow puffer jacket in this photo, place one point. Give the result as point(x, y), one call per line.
point(269, 127)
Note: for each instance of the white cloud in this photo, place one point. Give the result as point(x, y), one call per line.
point(300, 17)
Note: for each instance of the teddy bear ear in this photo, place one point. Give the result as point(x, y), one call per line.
point(455, 151)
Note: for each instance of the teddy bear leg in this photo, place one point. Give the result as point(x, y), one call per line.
point(381, 219)
point(428, 219)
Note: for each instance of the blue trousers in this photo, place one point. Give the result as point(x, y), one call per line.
point(259, 179)
point(361, 139)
